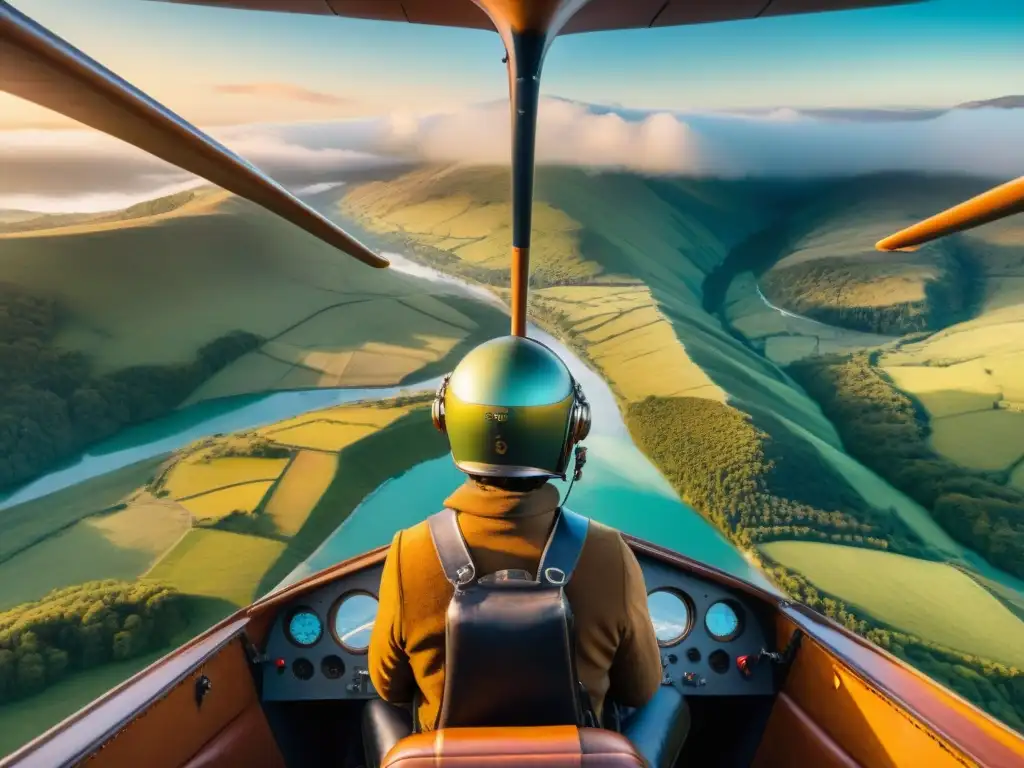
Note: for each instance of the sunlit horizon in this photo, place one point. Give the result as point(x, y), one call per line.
point(238, 67)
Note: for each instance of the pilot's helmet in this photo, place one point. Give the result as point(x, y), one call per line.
point(511, 408)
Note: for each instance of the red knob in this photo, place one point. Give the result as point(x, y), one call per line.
point(744, 666)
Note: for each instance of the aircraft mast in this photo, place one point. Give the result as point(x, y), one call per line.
point(527, 29)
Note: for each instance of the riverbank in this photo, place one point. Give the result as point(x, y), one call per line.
point(591, 313)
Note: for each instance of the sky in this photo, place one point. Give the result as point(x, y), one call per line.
point(216, 66)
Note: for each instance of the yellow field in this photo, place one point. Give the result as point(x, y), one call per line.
point(991, 439)
point(627, 336)
point(932, 600)
point(332, 429)
point(219, 503)
point(118, 545)
point(949, 390)
point(323, 435)
point(218, 564)
point(307, 478)
point(192, 476)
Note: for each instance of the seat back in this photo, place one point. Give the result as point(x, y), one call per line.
point(510, 650)
point(556, 746)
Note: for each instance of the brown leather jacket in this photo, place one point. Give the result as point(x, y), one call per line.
point(617, 653)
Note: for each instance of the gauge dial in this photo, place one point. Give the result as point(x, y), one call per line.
point(305, 628)
point(722, 621)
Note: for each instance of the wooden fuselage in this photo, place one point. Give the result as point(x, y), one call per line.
point(841, 702)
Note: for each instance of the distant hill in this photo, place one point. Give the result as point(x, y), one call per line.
point(28, 221)
point(1003, 102)
point(853, 114)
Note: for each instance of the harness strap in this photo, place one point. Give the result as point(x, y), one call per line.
point(451, 548)
point(562, 552)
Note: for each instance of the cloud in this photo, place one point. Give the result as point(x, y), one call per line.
point(285, 91)
point(782, 143)
point(75, 169)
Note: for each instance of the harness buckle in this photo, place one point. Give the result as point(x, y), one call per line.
point(465, 575)
point(555, 575)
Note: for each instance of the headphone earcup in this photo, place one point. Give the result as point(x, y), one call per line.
point(437, 408)
point(582, 421)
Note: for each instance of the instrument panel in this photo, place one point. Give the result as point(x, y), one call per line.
point(317, 647)
point(709, 637)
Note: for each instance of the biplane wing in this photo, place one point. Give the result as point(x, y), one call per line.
point(997, 203)
point(592, 16)
point(40, 67)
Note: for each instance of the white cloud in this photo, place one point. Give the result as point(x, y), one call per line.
point(80, 170)
point(89, 202)
point(784, 142)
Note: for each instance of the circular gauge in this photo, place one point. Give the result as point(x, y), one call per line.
point(332, 666)
point(719, 661)
point(670, 614)
point(302, 668)
point(353, 620)
point(304, 627)
point(723, 621)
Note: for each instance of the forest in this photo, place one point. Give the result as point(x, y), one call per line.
point(994, 687)
point(52, 406)
point(758, 485)
point(81, 627)
point(882, 427)
point(755, 485)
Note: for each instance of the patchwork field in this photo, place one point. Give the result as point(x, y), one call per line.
point(932, 600)
point(784, 336)
point(199, 474)
point(299, 491)
point(230, 519)
point(28, 523)
point(223, 515)
point(218, 564)
point(115, 545)
point(121, 282)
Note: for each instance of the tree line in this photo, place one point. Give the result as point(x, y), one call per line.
point(51, 404)
point(757, 483)
point(758, 486)
point(82, 627)
point(996, 688)
point(884, 429)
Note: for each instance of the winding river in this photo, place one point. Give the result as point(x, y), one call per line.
point(619, 488)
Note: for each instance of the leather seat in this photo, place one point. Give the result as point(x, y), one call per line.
point(384, 725)
point(659, 728)
point(553, 746)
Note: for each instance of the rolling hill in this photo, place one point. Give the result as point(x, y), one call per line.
point(655, 282)
point(111, 319)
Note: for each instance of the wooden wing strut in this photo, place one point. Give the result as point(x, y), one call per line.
point(40, 67)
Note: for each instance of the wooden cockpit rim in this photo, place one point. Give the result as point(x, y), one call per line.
point(249, 626)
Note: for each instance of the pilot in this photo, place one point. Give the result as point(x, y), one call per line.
point(512, 413)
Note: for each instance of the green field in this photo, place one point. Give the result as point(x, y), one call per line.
point(28, 523)
point(931, 600)
point(242, 269)
point(115, 545)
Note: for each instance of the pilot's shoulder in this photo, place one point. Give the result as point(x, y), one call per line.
point(603, 541)
point(414, 539)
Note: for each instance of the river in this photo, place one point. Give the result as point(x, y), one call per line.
point(619, 488)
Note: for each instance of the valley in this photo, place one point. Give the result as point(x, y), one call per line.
point(628, 295)
point(674, 291)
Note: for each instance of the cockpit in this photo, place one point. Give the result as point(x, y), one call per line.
point(714, 641)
